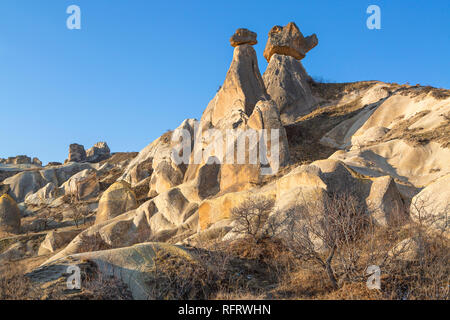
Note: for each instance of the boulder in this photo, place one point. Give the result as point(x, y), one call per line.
point(173, 207)
point(287, 84)
point(117, 199)
point(340, 179)
point(84, 185)
point(288, 40)
point(385, 202)
point(76, 153)
point(9, 215)
point(43, 196)
point(243, 36)
point(220, 208)
point(302, 176)
point(56, 240)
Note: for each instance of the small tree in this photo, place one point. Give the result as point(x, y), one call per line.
point(251, 216)
point(319, 233)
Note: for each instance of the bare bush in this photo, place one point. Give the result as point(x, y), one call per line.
point(250, 217)
point(99, 286)
point(79, 212)
point(320, 234)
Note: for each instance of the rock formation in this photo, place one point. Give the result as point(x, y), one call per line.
point(289, 41)
point(76, 153)
point(383, 144)
point(117, 199)
point(100, 151)
point(242, 89)
point(9, 215)
point(243, 36)
point(285, 78)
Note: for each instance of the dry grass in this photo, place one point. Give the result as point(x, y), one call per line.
point(14, 285)
point(418, 136)
point(335, 91)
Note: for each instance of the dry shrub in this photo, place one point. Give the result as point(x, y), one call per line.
point(352, 291)
point(175, 278)
point(250, 217)
point(427, 278)
point(99, 286)
point(323, 234)
point(94, 242)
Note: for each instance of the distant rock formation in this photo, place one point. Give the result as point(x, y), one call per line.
point(37, 162)
point(22, 159)
point(99, 152)
point(76, 153)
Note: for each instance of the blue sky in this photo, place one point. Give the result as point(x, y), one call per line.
point(140, 67)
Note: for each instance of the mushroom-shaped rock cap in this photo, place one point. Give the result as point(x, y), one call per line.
point(289, 41)
point(243, 36)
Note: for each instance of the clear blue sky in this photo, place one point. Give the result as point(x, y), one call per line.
point(140, 67)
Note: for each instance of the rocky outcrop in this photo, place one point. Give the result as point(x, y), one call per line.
point(83, 185)
point(392, 134)
point(43, 196)
point(117, 199)
point(165, 177)
point(289, 41)
point(28, 182)
point(287, 84)
point(9, 215)
point(37, 162)
point(17, 160)
point(266, 117)
point(242, 89)
point(156, 152)
point(56, 240)
point(385, 202)
point(99, 152)
point(243, 36)
point(76, 153)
